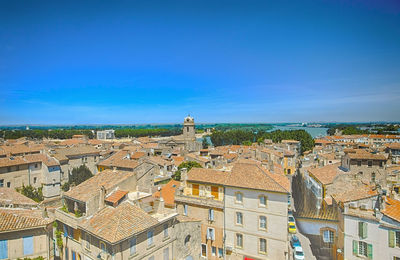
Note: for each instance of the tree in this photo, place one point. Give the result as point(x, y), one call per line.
point(188, 165)
point(31, 192)
point(205, 143)
point(77, 176)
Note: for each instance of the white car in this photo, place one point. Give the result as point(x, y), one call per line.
point(298, 253)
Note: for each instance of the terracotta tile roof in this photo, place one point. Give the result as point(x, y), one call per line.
point(325, 213)
point(364, 155)
point(326, 174)
point(18, 160)
point(158, 160)
point(64, 153)
point(11, 196)
point(150, 145)
point(138, 155)
point(355, 193)
point(178, 160)
point(19, 219)
point(120, 159)
point(91, 187)
point(392, 208)
point(26, 159)
point(21, 149)
point(116, 196)
point(73, 141)
point(230, 156)
point(322, 141)
point(393, 145)
point(290, 141)
point(252, 176)
point(207, 176)
point(115, 224)
point(167, 192)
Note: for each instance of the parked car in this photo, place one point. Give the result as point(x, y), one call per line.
point(292, 228)
point(294, 241)
point(298, 253)
point(291, 220)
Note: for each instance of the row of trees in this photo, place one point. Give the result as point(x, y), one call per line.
point(130, 132)
point(355, 130)
point(237, 137)
point(42, 133)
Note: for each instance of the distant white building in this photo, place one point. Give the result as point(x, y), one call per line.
point(105, 134)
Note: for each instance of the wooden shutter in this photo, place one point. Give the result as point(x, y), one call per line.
point(3, 249)
point(365, 230)
point(195, 189)
point(369, 251)
point(360, 229)
point(355, 247)
point(391, 238)
point(214, 192)
point(28, 245)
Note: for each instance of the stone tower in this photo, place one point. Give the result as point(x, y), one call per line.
point(188, 128)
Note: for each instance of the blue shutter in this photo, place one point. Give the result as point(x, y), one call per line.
point(28, 245)
point(65, 230)
point(73, 255)
point(3, 249)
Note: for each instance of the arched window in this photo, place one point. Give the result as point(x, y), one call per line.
point(187, 240)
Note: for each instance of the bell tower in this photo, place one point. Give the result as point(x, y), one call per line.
point(188, 128)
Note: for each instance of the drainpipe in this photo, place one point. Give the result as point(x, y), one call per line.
point(224, 236)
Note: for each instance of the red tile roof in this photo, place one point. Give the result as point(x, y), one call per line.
point(392, 209)
point(116, 196)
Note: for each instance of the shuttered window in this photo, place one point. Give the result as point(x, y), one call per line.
point(3, 249)
point(28, 245)
point(195, 190)
point(362, 230)
point(214, 192)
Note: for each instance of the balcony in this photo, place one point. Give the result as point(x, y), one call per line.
point(68, 218)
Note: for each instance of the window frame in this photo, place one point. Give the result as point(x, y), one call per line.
point(211, 214)
point(165, 230)
point(236, 240)
point(212, 234)
point(259, 222)
point(259, 246)
point(88, 240)
point(150, 239)
point(105, 246)
point(206, 249)
point(236, 197)
point(131, 245)
point(259, 201)
point(237, 213)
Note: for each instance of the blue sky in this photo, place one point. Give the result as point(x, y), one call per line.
point(127, 62)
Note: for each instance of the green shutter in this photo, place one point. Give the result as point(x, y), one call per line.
point(365, 230)
point(355, 247)
point(391, 238)
point(369, 251)
point(360, 229)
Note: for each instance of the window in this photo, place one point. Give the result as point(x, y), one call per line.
point(3, 249)
point(362, 230)
point(150, 237)
point(185, 210)
point(263, 222)
point(362, 248)
point(358, 163)
point(210, 234)
point(132, 249)
point(239, 197)
point(195, 189)
point(213, 251)
point(214, 192)
point(34, 179)
point(187, 239)
point(203, 250)
point(239, 218)
point(36, 165)
point(220, 252)
point(394, 238)
point(1, 183)
point(166, 230)
point(373, 177)
point(103, 247)
point(28, 245)
point(166, 253)
point(211, 214)
point(239, 240)
point(369, 163)
point(328, 236)
point(8, 184)
point(263, 201)
point(87, 245)
point(263, 245)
